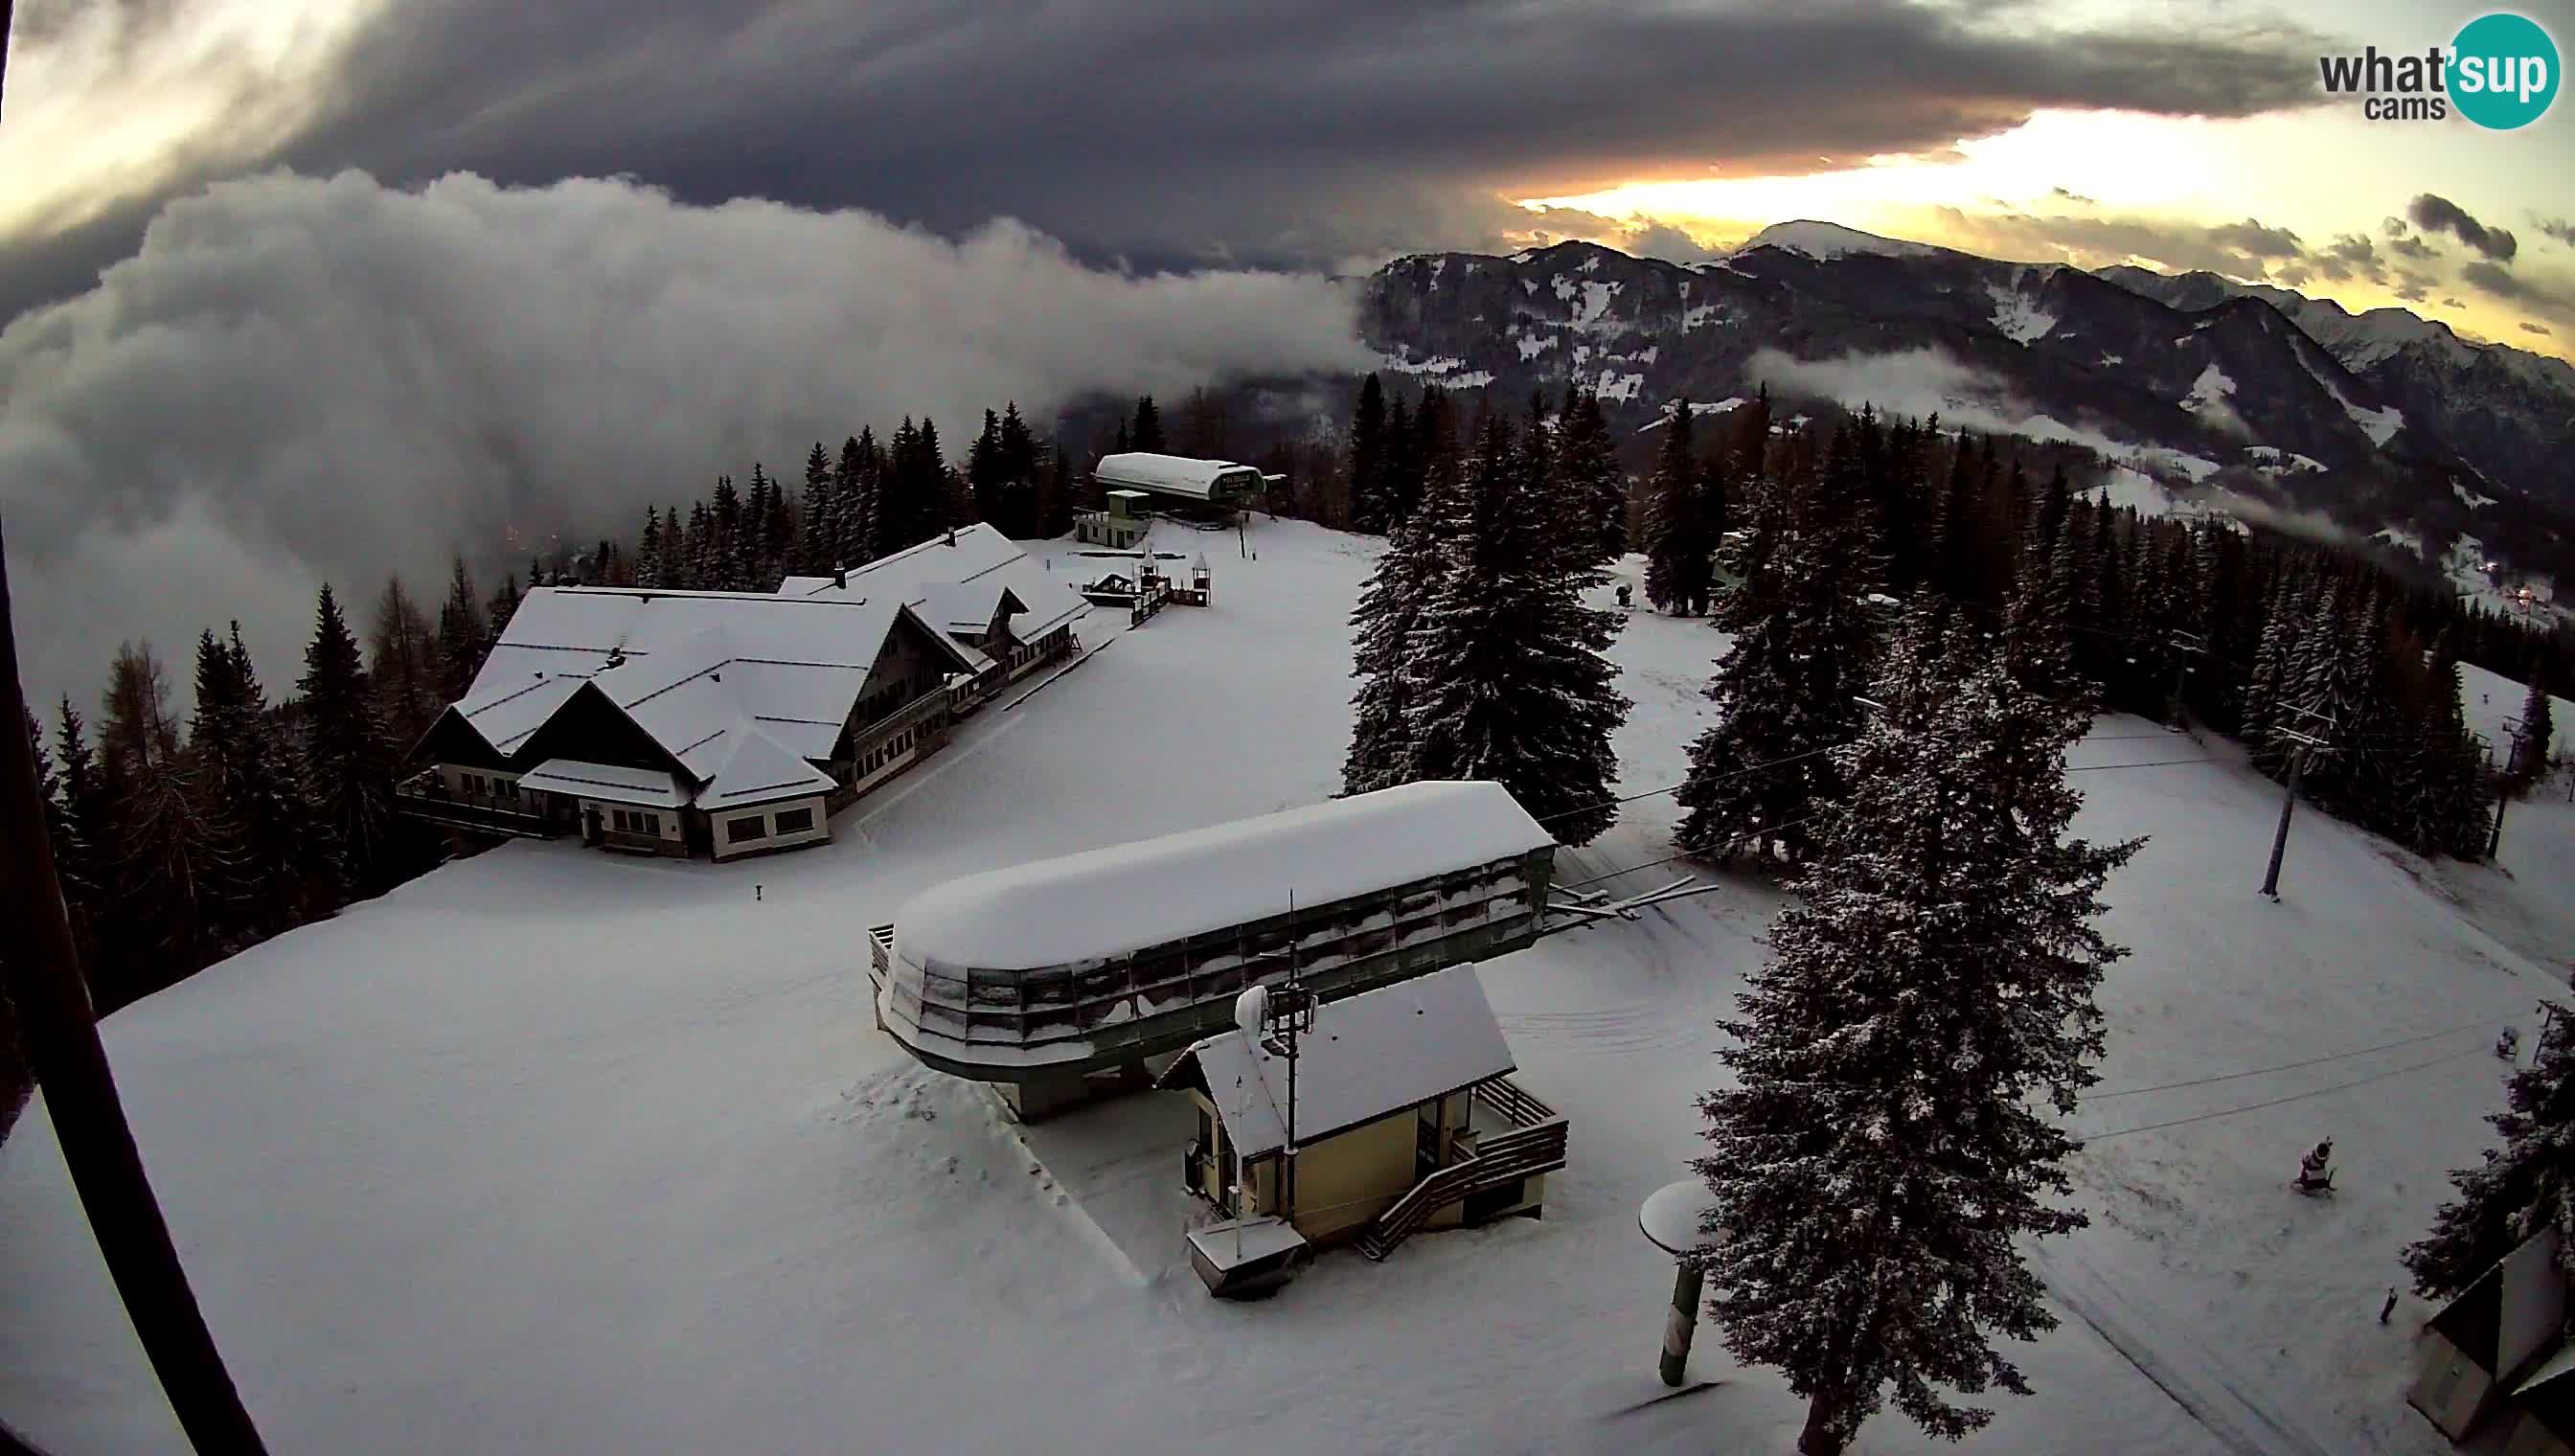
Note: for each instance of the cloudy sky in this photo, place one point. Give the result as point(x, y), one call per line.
point(258, 341)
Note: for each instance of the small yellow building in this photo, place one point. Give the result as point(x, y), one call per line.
point(1406, 1118)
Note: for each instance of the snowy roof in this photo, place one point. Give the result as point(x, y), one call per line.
point(607, 782)
point(1088, 906)
point(1238, 1241)
point(1170, 475)
point(756, 768)
point(929, 576)
point(1369, 1055)
point(2555, 1366)
point(688, 666)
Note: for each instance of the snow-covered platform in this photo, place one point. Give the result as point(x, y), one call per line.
point(1045, 973)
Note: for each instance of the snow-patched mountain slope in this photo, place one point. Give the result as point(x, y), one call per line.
point(557, 1151)
point(1825, 241)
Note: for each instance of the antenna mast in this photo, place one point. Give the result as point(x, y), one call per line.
point(1286, 1014)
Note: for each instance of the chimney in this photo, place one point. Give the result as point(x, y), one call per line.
point(952, 535)
point(841, 576)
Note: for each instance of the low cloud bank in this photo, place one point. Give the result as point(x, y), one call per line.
point(301, 379)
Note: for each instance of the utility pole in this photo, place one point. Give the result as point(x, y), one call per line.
point(2307, 743)
point(60, 1029)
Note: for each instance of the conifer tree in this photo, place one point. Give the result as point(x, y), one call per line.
point(854, 507)
point(1588, 472)
point(983, 471)
point(403, 663)
point(815, 546)
point(2538, 727)
point(249, 765)
point(1147, 434)
point(1929, 998)
point(1679, 570)
point(648, 550)
point(2521, 1187)
point(1018, 453)
point(719, 557)
point(1385, 624)
point(1789, 687)
point(1504, 680)
point(348, 757)
point(82, 821)
point(173, 856)
point(1372, 510)
point(1400, 463)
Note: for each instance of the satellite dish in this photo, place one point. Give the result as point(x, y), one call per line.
point(1251, 1009)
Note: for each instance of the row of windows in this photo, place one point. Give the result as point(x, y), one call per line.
point(893, 749)
point(636, 821)
point(756, 826)
point(494, 788)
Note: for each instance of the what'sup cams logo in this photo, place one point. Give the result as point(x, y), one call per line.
point(2500, 72)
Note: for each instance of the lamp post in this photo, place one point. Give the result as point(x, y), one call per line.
point(1670, 1220)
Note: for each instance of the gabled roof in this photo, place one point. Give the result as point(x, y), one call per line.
point(971, 556)
point(686, 666)
point(756, 768)
point(1368, 1056)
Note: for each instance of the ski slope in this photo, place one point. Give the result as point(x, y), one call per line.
point(556, 1151)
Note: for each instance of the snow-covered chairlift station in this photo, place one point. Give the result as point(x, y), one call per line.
point(1035, 979)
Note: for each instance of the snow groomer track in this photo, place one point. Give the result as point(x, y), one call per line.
point(1037, 977)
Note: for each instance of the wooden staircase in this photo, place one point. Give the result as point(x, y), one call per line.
point(1534, 1145)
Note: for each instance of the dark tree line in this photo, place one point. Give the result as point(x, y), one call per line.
point(179, 845)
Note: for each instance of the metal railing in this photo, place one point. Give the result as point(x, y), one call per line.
point(1535, 1145)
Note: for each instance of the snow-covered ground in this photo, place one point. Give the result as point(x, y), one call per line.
point(553, 1152)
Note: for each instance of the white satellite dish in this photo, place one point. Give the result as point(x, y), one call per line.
point(1251, 1009)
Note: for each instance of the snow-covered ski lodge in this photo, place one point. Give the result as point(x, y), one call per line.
point(1039, 977)
point(1403, 1118)
point(733, 723)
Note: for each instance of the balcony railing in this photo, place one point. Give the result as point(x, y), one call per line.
point(426, 796)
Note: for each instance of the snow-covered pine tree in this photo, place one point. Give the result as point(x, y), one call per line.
point(815, 544)
point(854, 482)
point(2333, 675)
point(348, 758)
point(1384, 622)
point(648, 550)
point(1789, 687)
point(2038, 636)
point(1929, 995)
point(2439, 785)
point(252, 765)
point(1371, 509)
point(1676, 569)
point(1587, 474)
point(2521, 1187)
point(1503, 684)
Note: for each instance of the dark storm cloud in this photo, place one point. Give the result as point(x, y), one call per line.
point(2539, 296)
point(1239, 130)
point(2558, 228)
point(2412, 247)
point(2542, 330)
point(2348, 257)
point(2247, 249)
point(2440, 215)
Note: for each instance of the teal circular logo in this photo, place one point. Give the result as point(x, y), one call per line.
point(2503, 71)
